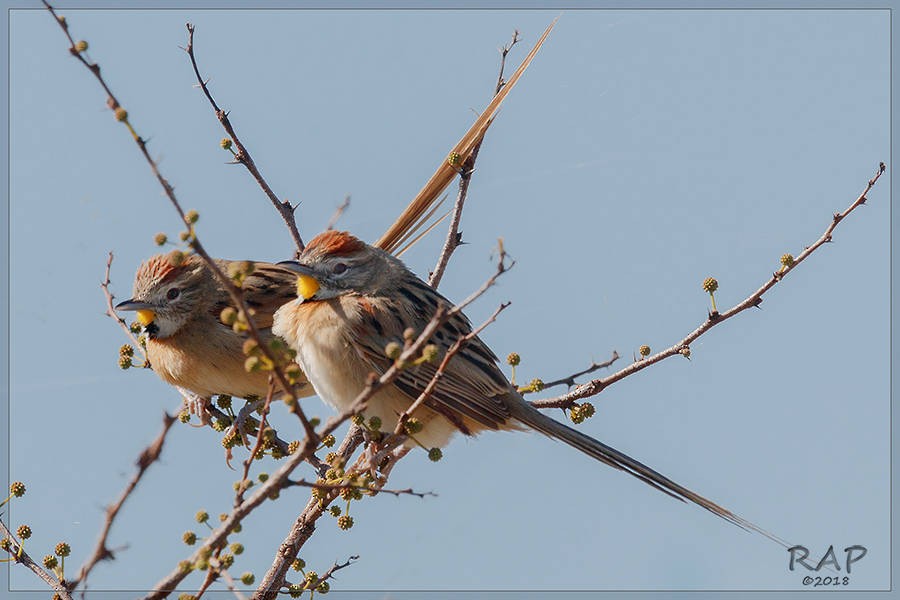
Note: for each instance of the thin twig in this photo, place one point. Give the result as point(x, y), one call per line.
point(592, 388)
point(111, 311)
point(454, 236)
point(242, 155)
point(17, 554)
point(329, 574)
point(148, 456)
point(338, 213)
point(570, 379)
point(351, 486)
point(260, 440)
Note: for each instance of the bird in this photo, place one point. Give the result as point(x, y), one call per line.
point(354, 299)
point(178, 301)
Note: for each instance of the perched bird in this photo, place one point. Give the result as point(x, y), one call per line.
point(179, 305)
point(354, 299)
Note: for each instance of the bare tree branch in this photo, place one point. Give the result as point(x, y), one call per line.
point(242, 155)
point(148, 456)
point(592, 388)
point(454, 237)
point(569, 380)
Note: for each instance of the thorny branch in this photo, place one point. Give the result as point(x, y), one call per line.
point(592, 388)
point(148, 456)
point(569, 380)
point(454, 236)
point(18, 554)
point(242, 155)
point(350, 486)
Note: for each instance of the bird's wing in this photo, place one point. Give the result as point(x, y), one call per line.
point(265, 290)
point(471, 385)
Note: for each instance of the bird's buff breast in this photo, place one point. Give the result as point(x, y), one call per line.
point(317, 331)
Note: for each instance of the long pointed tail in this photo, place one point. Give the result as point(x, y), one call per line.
point(612, 457)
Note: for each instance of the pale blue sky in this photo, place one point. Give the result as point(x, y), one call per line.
point(642, 152)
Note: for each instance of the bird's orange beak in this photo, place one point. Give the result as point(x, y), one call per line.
point(143, 310)
point(307, 284)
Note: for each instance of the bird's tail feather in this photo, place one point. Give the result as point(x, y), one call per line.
point(612, 457)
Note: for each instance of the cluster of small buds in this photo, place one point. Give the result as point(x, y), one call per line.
point(710, 285)
point(23, 532)
point(126, 356)
point(239, 270)
point(225, 143)
point(787, 261)
point(579, 412)
point(81, 46)
point(345, 522)
point(62, 549)
point(242, 485)
point(6, 544)
point(685, 352)
point(644, 350)
point(189, 538)
point(295, 590)
point(160, 239)
point(237, 548)
point(412, 426)
point(231, 439)
point(293, 446)
point(184, 416)
point(393, 350)
point(120, 114)
point(247, 578)
point(535, 385)
point(17, 489)
point(299, 564)
point(324, 587)
point(50, 562)
point(358, 419)
point(334, 511)
point(191, 216)
point(435, 454)
point(263, 477)
point(375, 423)
point(186, 596)
point(226, 561)
point(202, 516)
point(454, 159)
point(430, 353)
point(223, 402)
point(175, 258)
point(329, 440)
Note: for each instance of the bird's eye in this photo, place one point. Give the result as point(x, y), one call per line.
point(173, 293)
point(339, 268)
